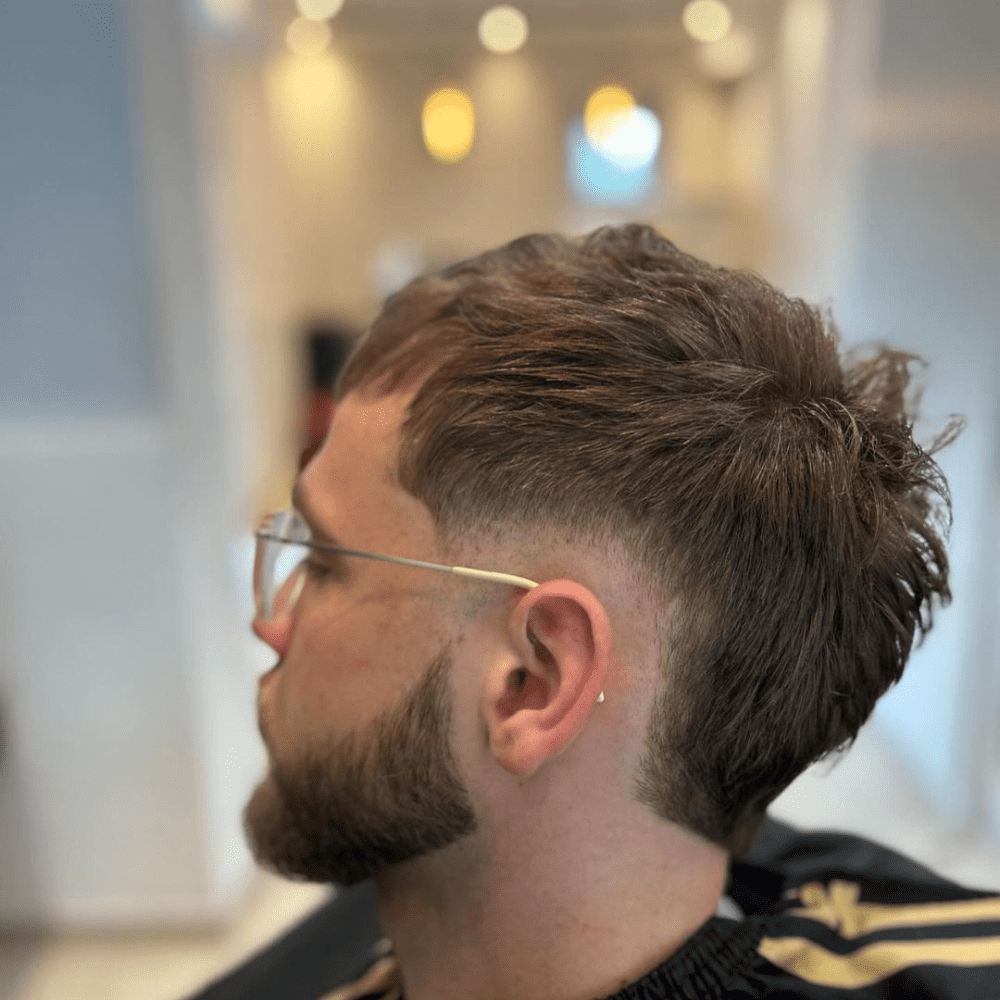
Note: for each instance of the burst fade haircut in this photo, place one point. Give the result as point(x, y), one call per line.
point(615, 387)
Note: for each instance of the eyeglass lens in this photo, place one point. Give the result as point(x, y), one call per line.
point(279, 573)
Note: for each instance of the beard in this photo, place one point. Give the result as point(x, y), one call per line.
point(345, 810)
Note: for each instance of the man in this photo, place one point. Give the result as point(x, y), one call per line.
point(700, 550)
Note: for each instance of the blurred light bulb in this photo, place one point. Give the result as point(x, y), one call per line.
point(449, 124)
point(602, 105)
point(319, 10)
point(707, 20)
point(307, 38)
point(503, 29)
point(630, 139)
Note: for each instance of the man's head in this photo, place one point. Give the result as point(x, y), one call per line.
point(692, 431)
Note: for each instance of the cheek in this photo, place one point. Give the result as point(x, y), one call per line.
point(342, 668)
point(317, 684)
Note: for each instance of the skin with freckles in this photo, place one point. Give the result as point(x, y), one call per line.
point(515, 862)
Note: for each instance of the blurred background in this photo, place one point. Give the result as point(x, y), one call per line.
point(203, 201)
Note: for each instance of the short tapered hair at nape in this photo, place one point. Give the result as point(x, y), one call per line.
point(615, 387)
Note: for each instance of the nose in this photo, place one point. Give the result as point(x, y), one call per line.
point(277, 633)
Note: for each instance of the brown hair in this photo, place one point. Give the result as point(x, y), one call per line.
point(622, 389)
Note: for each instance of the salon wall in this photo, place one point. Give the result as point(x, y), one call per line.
point(925, 275)
point(127, 708)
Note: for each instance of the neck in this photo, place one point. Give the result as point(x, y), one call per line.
point(550, 919)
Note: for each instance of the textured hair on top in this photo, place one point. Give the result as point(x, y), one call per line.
point(616, 387)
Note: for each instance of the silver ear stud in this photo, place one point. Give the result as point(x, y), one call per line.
point(600, 698)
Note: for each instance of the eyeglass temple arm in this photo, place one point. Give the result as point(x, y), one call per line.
point(487, 575)
point(490, 576)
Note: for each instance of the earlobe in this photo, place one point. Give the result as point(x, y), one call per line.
point(539, 699)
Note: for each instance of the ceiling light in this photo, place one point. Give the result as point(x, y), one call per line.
point(630, 139)
point(449, 124)
point(707, 20)
point(503, 29)
point(602, 105)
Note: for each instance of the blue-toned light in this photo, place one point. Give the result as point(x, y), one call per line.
point(630, 139)
point(621, 169)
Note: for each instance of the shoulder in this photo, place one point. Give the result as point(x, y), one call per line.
point(838, 912)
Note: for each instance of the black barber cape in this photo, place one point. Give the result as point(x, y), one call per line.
point(825, 915)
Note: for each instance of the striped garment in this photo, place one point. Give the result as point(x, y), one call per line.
point(813, 915)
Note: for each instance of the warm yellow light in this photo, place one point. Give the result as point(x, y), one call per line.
point(503, 29)
point(449, 124)
point(319, 10)
point(707, 20)
point(307, 38)
point(317, 115)
point(603, 106)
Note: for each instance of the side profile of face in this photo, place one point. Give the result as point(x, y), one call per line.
point(356, 715)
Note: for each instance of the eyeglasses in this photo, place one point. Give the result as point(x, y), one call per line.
point(284, 541)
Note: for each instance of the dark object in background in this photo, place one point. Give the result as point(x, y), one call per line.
point(327, 345)
point(334, 945)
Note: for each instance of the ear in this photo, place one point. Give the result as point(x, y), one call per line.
point(538, 698)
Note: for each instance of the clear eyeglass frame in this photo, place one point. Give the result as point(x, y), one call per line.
point(284, 541)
